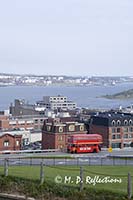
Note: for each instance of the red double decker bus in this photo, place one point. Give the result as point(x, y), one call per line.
point(84, 143)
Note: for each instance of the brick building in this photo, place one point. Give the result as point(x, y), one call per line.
point(116, 129)
point(10, 142)
point(55, 132)
point(23, 122)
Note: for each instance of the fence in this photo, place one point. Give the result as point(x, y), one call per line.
point(67, 161)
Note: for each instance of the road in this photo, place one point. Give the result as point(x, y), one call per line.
point(102, 158)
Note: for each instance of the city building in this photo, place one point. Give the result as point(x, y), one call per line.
point(57, 103)
point(10, 142)
point(35, 136)
point(55, 132)
point(32, 122)
point(27, 135)
point(29, 127)
point(116, 128)
point(21, 108)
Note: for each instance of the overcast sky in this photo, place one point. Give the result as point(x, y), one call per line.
point(71, 37)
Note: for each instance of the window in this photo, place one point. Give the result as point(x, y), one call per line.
point(60, 138)
point(60, 129)
point(36, 121)
point(126, 129)
point(118, 122)
point(118, 136)
point(12, 123)
point(125, 122)
point(41, 120)
point(29, 122)
point(125, 135)
point(116, 145)
point(113, 123)
point(17, 143)
point(6, 143)
point(118, 130)
point(113, 130)
point(130, 129)
point(21, 122)
point(48, 128)
point(113, 136)
point(82, 128)
point(71, 128)
point(130, 122)
point(130, 135)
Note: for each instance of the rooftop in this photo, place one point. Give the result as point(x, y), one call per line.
point(112, 115)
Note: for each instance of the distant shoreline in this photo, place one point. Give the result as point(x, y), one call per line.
point(125, 95)
point(83, 96)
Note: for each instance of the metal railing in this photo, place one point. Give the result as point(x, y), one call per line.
point(29, 151)
point(30, 160)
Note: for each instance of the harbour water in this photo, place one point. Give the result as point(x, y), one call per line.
point(84, 96)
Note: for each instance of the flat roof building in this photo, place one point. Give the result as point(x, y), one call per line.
point(57, 102)
point(21, 122)
point(116, 128)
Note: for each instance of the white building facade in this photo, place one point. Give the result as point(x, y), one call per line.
point(57, 102)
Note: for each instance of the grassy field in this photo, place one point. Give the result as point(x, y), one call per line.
point(50, 173)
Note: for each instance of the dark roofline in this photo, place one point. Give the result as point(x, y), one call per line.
point(113, 115)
